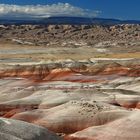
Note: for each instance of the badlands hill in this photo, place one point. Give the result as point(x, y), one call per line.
point(71, 82)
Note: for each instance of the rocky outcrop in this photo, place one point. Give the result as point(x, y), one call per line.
point(18, 130)
point(41, 34)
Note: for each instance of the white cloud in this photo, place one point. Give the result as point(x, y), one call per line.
point(36, 11)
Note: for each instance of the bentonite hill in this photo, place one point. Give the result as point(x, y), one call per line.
point(71, 82)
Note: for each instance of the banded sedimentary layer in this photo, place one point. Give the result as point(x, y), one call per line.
point(83, 83)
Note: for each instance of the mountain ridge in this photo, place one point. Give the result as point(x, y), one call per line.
point(68, 20)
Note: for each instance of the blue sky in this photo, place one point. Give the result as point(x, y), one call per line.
point(121, 9)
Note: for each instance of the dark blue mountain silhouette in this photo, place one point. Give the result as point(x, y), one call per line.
point(68, 20)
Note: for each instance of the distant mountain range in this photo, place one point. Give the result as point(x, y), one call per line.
point(67, 20)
